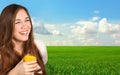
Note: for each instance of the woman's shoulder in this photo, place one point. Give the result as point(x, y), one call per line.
point(42, 49)
point(40, 44)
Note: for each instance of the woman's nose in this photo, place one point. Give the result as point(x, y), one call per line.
point(24, 25)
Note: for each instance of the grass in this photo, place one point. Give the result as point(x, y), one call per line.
point(83, 60)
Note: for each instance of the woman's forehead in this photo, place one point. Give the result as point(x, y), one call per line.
point(21, 14)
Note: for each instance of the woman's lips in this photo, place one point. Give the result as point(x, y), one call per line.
point(24, 33)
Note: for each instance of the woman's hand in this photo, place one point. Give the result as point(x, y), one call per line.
point(24, 68)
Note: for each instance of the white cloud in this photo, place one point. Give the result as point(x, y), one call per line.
point(53, 29)
point(95, 32)
point(78, 31)
point(50, 26)
point(56, 32)
point(117, 42)
point(114, 28)
point(38, 27)
point(36, 22)
point(116, 35)
point(45, 28)
point(105, 27)
point(84, 27)
point(88, 28)
point(87, 24)
point(95, 18)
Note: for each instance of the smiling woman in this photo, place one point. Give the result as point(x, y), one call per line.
point(16, 41)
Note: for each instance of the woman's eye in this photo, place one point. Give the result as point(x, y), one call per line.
point(27, 20)
point(17, 22)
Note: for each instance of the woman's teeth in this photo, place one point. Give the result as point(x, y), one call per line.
point(24, 33)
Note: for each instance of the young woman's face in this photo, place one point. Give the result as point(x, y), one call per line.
point(22, 26)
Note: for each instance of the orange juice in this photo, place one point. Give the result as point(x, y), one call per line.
point(29, 58)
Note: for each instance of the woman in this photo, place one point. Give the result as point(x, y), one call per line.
point(16, 41)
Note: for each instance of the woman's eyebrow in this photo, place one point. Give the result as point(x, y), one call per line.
point(27, 18)
point(20, 19)
point(17, 20)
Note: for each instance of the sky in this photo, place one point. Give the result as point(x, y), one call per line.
point(73, 22)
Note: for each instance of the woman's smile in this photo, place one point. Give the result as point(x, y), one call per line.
point(24, 33)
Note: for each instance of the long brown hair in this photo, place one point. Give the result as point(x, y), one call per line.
point(9, 58)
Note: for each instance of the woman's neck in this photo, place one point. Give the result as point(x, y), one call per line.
point(18, 47)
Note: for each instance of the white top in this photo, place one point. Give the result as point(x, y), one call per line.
point(42, 49)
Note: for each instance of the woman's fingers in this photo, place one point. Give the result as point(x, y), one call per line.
point(30, 66)
point(31, 62)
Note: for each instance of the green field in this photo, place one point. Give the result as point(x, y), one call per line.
point(83, 60)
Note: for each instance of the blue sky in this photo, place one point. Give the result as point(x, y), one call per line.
point(74, 22)
point(69, 10)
